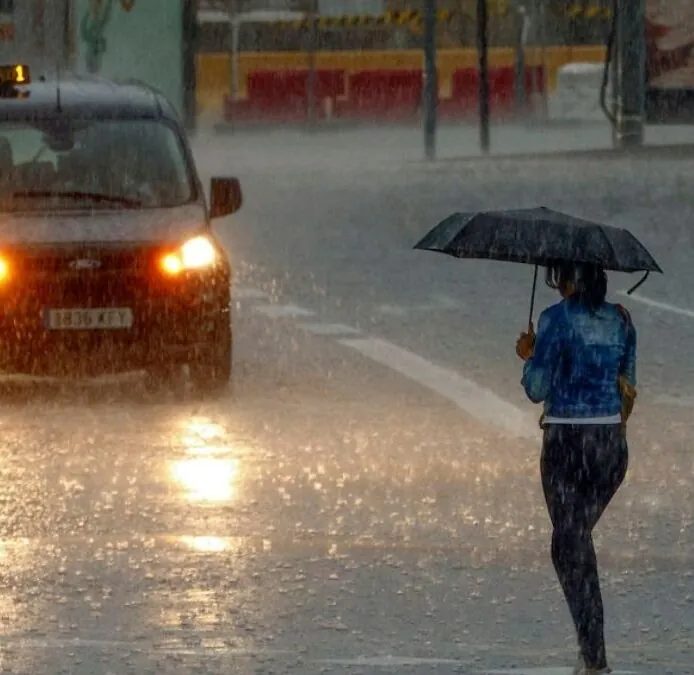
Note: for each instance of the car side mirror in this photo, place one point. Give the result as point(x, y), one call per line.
point(225, 197)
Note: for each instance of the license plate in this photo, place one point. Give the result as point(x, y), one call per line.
point(107, 318)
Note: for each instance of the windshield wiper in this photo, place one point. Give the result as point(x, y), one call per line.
point(75, 194)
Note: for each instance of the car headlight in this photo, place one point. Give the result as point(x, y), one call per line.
point(196, 253)
point(4, 270)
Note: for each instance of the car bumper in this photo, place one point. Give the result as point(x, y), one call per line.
point(167, 328)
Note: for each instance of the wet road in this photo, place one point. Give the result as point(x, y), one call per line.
point(365, 498)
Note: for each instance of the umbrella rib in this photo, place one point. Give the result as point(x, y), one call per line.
point(610, 244)
point(657, 267)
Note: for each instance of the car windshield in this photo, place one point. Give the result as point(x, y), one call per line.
point(95, 164)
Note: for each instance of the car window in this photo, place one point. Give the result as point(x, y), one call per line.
point(98, 164)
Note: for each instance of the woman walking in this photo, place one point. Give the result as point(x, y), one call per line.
point(581, 365)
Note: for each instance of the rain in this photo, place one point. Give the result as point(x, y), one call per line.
point(359, 489)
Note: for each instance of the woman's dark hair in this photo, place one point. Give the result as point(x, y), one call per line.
point(590, 282)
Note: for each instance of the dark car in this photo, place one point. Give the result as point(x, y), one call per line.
point(108, 262)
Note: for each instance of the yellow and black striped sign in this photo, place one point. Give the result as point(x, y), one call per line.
point(495, 8)
point(577, 11)
point(404, 18)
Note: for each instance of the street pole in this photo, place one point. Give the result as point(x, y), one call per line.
point(541, 73)
point(69, 55)
point(311, 79)
point(430, 80)
point(233, 46)
point(540, 80)
point(483, 56)
point(631, 74)
point(189, 52)
point(521, 99)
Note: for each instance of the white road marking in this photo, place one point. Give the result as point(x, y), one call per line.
point(174, 646)
point(245, 292)
point(657, 304)
point(329, 329)
point(466, 394)
point(283, 311)
point(546, 671)
point(388, 661)
point(439, 303)
point(215, 646)
point(392, 310)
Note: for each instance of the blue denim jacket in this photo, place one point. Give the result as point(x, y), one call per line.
point(578, 359)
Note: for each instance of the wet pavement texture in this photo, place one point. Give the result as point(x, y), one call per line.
point(348, 506)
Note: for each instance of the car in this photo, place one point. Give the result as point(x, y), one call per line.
point(108, 259)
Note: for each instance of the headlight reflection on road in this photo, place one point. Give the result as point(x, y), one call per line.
point(203, 430)
point(16, 553)
point(24, 558)
point(207, 451)
point(207, 544)
point(210, 470)
point(207, 479)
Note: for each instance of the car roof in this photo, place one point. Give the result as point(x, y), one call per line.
point(86, 97)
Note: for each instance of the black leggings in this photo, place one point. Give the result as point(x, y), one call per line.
point(582, 467)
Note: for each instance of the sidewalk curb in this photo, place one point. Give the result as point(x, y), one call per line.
point(670, 151)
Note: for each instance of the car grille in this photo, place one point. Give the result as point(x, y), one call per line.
point(65, 262)
point(63, 279)
point(89, 290)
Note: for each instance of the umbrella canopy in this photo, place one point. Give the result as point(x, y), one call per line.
point(538, 236)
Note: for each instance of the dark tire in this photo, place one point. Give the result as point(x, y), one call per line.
point(211, 371)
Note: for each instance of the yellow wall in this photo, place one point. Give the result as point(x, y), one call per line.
point(213, 70)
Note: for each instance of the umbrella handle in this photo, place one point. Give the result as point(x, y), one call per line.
point(638, 284)
point(532, 298)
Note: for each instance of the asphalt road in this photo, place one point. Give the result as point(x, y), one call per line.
point(365, 498)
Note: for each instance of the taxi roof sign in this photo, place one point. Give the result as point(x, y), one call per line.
point(15, 74)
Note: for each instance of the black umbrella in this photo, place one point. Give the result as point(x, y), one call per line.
point(539, 237)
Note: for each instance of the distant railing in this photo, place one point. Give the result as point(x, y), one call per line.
point(567, 24)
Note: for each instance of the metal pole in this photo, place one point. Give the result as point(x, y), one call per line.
point(520, 60)
point(540, 105)
point(613, 89)
point(233, 42)
point(541, 72)
point(311, 80)
point(69, 56)
point(631, 57)
point(483, 56)
point(235, 46)
point(190, 50)
point(430, 80)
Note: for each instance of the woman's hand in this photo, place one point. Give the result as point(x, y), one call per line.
point(525, 345)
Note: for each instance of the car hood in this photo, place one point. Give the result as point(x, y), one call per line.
point(109, 227)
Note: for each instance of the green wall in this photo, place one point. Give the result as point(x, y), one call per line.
point(145, 43)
